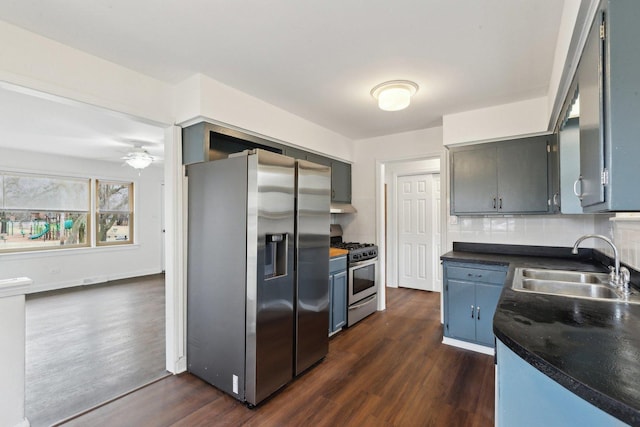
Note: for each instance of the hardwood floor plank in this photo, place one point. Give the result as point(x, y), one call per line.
point(87, 345)
point(391, 369)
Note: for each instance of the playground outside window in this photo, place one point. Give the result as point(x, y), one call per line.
point(114, 213)
point(43, 212)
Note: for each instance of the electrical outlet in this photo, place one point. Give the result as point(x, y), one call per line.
point(453, 220)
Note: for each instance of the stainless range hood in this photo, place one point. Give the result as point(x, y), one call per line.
point(340, 208)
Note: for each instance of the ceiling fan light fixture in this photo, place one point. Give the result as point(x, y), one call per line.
point(138, 159)
point(394, 95)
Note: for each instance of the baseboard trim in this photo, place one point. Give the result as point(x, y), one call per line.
point(24, 423)
point(469, 346)
point(97, 280)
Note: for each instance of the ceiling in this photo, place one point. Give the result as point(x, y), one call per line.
point(33, 122)
point(318, 59)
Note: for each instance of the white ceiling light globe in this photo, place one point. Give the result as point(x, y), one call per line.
point(394, 95)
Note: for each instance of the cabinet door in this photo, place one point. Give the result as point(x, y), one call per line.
point(474, 180)
point(315, 158)
point(339, 301)
point(461, 310)
point(294, 152)
point(487, 297)
point(553, 156)
point(522, 176)
point(590, 77)
point(569, 166)
point(340, 182)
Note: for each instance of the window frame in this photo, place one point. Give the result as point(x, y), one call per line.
point(98, 212)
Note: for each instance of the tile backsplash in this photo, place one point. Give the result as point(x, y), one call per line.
point(553, 230)
point(624, 230)
point(548, 230)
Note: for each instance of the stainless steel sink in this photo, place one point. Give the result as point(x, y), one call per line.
point(565, 276)
point(568, 288)
point(575, 284)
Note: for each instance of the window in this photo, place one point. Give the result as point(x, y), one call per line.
point(43, 212)
point(114, 212)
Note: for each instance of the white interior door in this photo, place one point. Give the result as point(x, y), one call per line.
point(415, 232)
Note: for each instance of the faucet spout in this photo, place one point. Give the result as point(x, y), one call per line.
point(616, 254)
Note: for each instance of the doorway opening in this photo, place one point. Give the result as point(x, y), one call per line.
point(412, 212)
point(87, 334)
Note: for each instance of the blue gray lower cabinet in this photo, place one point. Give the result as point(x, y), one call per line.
point(338, 294)
point(527, 397)
point(471, 294)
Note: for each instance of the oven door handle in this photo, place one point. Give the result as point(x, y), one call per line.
point(363, 263)
point(363, 303)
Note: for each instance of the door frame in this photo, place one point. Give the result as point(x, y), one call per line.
point(381, 166)
point(393, 269)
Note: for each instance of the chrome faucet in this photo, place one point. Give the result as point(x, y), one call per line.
point(619, 275)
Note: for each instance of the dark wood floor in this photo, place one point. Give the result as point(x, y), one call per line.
point(90, 344)
point(388, 370)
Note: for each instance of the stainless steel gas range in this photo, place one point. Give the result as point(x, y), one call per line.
point(363, 276)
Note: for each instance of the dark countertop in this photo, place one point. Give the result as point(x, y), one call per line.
point(590, 347)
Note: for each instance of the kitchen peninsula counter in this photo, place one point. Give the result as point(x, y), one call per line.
point(590, 347)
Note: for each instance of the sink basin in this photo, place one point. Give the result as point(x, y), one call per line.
point(574, 284)
point(565, 276)
point(569, 288)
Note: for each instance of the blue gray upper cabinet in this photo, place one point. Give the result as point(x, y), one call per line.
point(204, 142)
point(340, 182)
point(340, 177)
point(608, 81)
point(503, 177)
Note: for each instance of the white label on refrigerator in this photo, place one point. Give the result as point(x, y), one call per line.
point(235, 384)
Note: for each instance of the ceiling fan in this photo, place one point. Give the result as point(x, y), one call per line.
point(138, 158)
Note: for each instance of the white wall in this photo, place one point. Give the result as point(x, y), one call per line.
point(12, 331)
point(361, 227)
point(56, 269)
point(205, 98)
point(42, 64)
point(497, 122)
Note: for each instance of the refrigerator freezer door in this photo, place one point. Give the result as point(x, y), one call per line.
point(240, 314)
point(313, 198)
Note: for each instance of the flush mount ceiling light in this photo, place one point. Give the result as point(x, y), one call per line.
point(394, 95)
point(138, 159)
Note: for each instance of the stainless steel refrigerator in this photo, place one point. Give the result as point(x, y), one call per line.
point(242, 303)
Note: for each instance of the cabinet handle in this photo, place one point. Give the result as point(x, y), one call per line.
point(500, 205)
point(472, 311)
point(478, 316)
point(333, 194)
point(494, 203)
point(555, 199)
point(575, 187)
